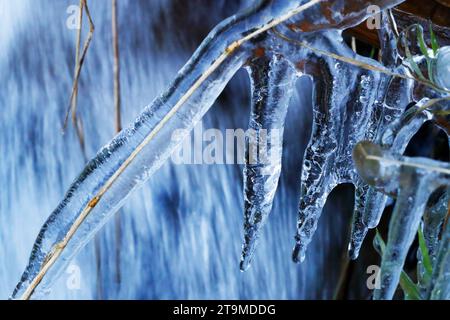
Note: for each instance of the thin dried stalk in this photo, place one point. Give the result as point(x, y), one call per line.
point(431, 103)
point(79, 63)
point(116, 67)
point(359, 63)
point(59, 247)
point(77, 59)
point(411, 164)
point(117, 104)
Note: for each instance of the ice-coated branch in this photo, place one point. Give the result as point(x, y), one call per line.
point(411, 181)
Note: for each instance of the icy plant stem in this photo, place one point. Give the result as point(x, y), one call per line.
point(412, 181)
point(403, 227)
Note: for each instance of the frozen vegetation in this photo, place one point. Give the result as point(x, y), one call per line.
point(356, 100)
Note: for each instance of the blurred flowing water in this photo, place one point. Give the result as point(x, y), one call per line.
point(179, 237)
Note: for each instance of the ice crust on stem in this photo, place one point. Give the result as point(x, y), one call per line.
point(411, 181)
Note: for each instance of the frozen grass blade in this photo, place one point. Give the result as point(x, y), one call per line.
point(409, 288)
point(425, 256)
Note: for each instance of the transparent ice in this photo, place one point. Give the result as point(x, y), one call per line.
point(351, 104)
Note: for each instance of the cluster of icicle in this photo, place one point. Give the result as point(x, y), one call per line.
point(273, 40)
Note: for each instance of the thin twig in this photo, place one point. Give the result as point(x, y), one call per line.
point(431, 103)
point(77, 59)
point(72, 104)
point(411, 164)
point(115, 33)
point(117, 104)
point(359, 63)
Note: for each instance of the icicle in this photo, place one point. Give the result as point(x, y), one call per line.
point(341, 118)
point(359, 228)
point(364, 195)
point(396, 137)
point(132, 156)
point(272, 81)
point(412, 181)
point(369, 203)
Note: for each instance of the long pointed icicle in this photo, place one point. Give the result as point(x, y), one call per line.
point(117, 170)
point(389, 56)
point(396, 137)
point(317, 179)
point(272, 81)
point(369, 204)
point(412, 181)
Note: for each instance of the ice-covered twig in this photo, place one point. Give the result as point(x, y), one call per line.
point(411, 181)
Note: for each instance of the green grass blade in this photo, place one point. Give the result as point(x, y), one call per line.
point(415, 68)
point(434, 41)
point(372, 53)
point(421, 41)
point(409, 288)
point(425, 255)
point(424, 49)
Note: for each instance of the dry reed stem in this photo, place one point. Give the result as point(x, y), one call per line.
point(79, 63)
point(359, 63)
point(118, 124)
